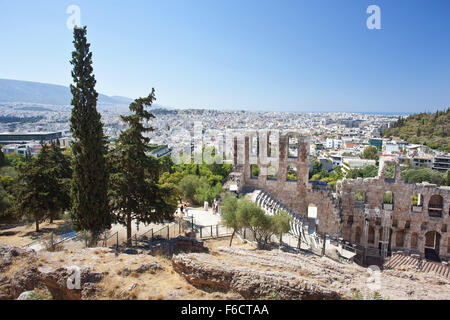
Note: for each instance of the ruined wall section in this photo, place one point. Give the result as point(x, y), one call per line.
point(343, 216)
point(296, 195)
point(409, 223)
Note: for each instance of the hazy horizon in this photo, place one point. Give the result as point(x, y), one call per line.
point(302, 56)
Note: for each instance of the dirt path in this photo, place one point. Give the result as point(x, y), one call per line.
point(23, 234)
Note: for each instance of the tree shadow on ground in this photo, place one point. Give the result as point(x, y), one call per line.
point(8, 233)
point(11, 225)
point(60, 229)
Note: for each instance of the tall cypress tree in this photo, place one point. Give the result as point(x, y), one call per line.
point(90, 177)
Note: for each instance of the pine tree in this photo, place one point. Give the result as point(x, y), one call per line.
point(135, 193)
point(60, 190)
point(33, 197)
point(43, 190)
point(90, 209)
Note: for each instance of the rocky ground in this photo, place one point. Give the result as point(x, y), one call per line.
point(254, 273)
point(220, 272)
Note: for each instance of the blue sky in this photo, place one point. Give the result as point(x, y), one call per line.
point(313, 55)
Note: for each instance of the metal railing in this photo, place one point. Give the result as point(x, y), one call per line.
point(50, 241)
point(37, 241)
point(213, 231)
point(165, 233)
point(106, 238)
point(208, 232)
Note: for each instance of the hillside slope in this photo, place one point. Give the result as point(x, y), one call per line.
point(430, 129)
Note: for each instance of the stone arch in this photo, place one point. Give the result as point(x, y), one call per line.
point(272, 144)
point(291, 173)
point(312, 211)
point(400, 238)
point(431, 238)
point(435, 206)
point(389, 169)
point(417, 202)
point(432, 245)
point(254, 145)
point(254, 171)
point(272, 173)
point(360, 196)
point(388, 200)
point(292, 146)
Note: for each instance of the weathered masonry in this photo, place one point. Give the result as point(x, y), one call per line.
point(381, 215)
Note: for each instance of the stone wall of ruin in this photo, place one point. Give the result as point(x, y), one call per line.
point(295, 195)
point(343, 216)
point(409, 224)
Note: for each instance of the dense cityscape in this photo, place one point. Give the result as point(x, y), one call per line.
point(335, 138)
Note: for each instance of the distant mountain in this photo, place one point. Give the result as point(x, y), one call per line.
point(124, 100)
point(44, 93)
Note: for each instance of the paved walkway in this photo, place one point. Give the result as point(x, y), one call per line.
point(202, 217)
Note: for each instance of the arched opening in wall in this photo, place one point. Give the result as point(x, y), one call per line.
point(371, 235)
point(254, 171)
point(389, 172)
point(272, 172)
point(272, 145)
point(312, 211)
point(254, 150)
point(360, 196)
point(417, 203)
point(292, 147)
point(435, 206)
point(414, 240)
point(358, 235)
point(291, 174)
point(400, 238)
point(432, 242)
point(388, 200)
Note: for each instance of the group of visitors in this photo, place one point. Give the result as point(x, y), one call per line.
point(184, 209)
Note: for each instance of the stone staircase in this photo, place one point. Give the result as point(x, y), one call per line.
point(400, 261)
point(300, 228)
